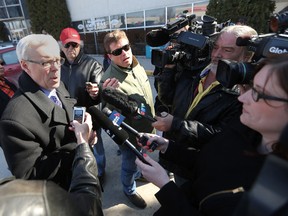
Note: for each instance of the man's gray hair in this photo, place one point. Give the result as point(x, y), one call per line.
point(33, 41)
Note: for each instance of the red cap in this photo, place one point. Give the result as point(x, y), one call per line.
point(69, 35)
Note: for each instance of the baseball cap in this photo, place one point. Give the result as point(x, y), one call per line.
point(69, 35)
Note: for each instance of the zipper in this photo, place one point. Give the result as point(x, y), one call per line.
point(234, 191)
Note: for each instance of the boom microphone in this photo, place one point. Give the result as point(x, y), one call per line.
point(142, 138)
point(123, 102)
point(115, 132)
point(158, 37)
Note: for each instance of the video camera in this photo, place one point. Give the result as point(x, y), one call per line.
point(230, 73)
point(192, 47)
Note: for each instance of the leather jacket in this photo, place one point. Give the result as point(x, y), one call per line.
point(75, 75)
point(207, 119)
point(42, 197)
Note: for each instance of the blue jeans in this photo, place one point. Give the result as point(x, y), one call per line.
point(99, 153)
point(129, 170)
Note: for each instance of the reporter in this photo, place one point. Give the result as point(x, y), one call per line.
point(227, 166)
point(201, 106)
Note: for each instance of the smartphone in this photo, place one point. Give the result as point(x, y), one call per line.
point(79, 114)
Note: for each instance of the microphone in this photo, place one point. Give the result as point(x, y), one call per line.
point(158, 37)
point(117, 118)
point(125, 103)
point(115, 132)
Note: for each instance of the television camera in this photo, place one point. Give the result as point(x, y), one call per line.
point(230, 73)
point(191, 49)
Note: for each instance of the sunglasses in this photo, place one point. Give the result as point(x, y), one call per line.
point(74, 45)
point(118, 51)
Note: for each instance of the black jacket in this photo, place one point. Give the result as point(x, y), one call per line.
point(35, 135)
point(224, 168)
point(206, 120)
point(22, 197)
point(74, 76)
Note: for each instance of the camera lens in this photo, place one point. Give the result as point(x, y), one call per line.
point(230, 73)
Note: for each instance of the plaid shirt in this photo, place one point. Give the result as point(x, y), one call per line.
point(6, 88)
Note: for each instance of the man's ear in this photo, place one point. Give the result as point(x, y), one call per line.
point(24, 66)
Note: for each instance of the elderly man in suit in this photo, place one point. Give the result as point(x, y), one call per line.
point(34, 129)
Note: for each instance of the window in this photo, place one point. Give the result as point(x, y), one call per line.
point(177, 11)
point(96, 24)
point(14, 11)
point(10, 57)
point(11, 2)
point(3, 13)
point(155, 17)
point(117, 21)
point(135, 19)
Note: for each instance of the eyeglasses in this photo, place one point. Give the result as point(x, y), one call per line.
point(256, 96)
point(48, 64)
point(118, 51)
point(73, 44)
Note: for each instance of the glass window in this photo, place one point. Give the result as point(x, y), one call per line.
point(135, 19)
point(14, 11)
point(96, 24)
point(117, 21)
point(155, 17)
point(10, 57)
point(176, 12)
point(3, 13)
point(11, 2)
point(78, 25)
point(1, 3)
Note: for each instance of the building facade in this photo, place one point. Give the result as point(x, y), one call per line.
point(94, 18)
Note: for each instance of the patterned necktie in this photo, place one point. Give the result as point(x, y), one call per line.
point(56, 100)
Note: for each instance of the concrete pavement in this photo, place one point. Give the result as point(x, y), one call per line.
point(115, 203)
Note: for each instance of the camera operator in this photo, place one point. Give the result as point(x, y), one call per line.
point(201, 106)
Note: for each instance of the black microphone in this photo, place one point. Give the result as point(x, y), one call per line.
point(123, 102)
point(158, 37)
point(115, 132)
point(142, 138)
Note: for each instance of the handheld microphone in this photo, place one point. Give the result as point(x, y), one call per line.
point(126, 104)
point(158, 37)
point(115, 132)
point(118, 119)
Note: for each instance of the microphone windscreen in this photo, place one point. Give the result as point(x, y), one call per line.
point(157, 37)
point(120, 100)
point(115, 132)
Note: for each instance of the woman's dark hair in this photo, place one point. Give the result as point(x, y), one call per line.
point(279, 67)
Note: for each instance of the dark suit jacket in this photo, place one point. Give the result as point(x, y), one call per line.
point(34, 134)
point(4, 98)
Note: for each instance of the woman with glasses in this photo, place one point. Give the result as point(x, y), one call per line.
point(228, 165)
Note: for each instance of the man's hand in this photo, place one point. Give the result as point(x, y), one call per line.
point(82, 131)
point(163, 122)
point(92, 89)
point(111, 82)
point(154, 173)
